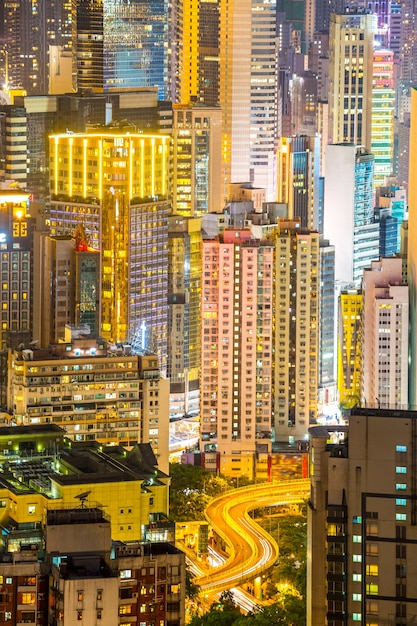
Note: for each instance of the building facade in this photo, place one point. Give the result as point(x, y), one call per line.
point(351, 46)
point(95, 393)
point(362, 536)
point(115, 185)
point(298, 172)
point(348, 210)
point(297, 329)
point(385, 335)
point(184, 319)
point(197, 160)
point(120, 46)
point(236, 352)
point(382, 125)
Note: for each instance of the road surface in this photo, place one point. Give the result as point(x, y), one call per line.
point(252, 549)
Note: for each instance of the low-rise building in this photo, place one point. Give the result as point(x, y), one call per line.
point(41, 469)
point(73, 572)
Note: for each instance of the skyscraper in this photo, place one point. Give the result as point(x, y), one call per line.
point(351, 45)
point(16, 249)
point(197, 158)
point(114, 184)
point(382, 125)
point(348, 210)
point(120, 45)
point(298, 172)
point(226, 53)
point(184, 312)
point(349, 335)
point(327, 348)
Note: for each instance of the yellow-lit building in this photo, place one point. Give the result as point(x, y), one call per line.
point(115, 184)
point(186, 18)
point(93, 392)
point(197, 160)
point(349, 348)
point(41, 470)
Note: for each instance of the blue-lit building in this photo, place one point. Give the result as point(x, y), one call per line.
point(121, 45)
point(388, 232)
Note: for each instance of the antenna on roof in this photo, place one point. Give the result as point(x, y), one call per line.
point(82, 497)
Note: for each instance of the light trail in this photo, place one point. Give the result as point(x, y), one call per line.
point(252, 549)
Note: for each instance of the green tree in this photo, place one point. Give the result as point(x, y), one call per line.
point(191, 490)
point(192, 590)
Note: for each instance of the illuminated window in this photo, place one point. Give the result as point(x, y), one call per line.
point(400, 448)
point(372, 570)
point(400, 469)
point(357, 617)
point(28, 598)
point(372, 589)
point(79, 596)
point(79, 615)
point(126, 573)
point(401, 517)
point(400, 486)
point(356, 578)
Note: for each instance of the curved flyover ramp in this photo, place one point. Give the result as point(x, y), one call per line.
point(252, 550)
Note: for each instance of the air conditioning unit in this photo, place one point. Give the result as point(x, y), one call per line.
point(135, 594)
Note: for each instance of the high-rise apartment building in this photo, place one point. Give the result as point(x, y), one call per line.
point(385, 335)
point(348, 210)
point(361, 518)
point(349, 339)
point(412, 250)
point(382, 124)
point(184, 312)
point(92, 391)
point(197, 160)
point(236, 352)
point(298, 172)
point(120, 46)
point(351, 46)
point(115, 183)
point(297, 329)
